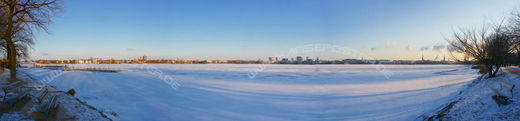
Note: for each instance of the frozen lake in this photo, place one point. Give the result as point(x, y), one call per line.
point(277, 92)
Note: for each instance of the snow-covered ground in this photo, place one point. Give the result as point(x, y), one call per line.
point(277, 92)
point(476, 103)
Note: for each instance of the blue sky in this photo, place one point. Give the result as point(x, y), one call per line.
point(253, 29)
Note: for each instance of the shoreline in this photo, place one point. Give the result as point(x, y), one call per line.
point(70, 107)
point(474, 102)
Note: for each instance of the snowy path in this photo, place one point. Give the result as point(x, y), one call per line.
point(280, 92)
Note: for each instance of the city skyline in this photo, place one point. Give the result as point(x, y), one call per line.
point(252, 30)
point(271, 60)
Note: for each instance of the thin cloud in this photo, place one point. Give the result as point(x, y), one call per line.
point(390, 45)
point(409, 48)
point(439, 47)
point(450, 49)
point(425, 48)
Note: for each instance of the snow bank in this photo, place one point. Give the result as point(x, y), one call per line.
point(475, 102)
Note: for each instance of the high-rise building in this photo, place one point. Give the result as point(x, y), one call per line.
point(299, 58)
point(144, 59)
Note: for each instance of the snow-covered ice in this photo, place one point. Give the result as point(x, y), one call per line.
point(278, 92)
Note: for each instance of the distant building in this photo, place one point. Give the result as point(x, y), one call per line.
point(299, 58)
point(353, 61)
point(383, 61)
point(284, 61)
point(143, 59)
point(308, 59)
point(403, 62)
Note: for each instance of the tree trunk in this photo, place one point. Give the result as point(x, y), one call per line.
point(11, 60)
point(490, 71)
point(11, 50)
point(496, 70)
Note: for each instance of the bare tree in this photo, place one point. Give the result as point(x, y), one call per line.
point(487, 46)
point(19, 18)
point(514, 32)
